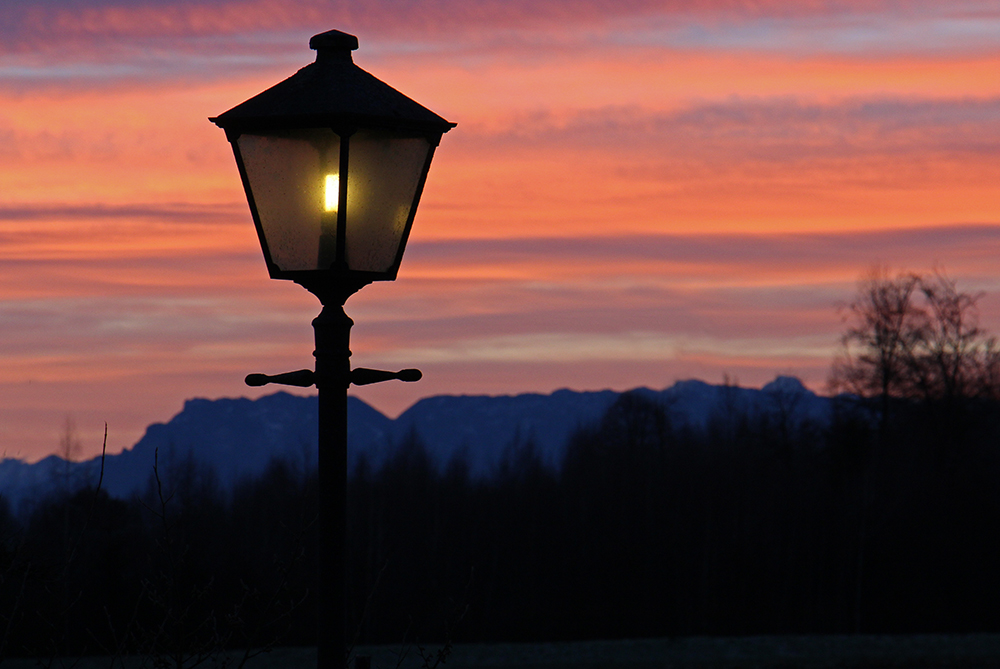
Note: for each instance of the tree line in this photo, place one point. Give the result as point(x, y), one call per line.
point(883, 520)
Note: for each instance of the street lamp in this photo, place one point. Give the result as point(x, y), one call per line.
point(333, 162)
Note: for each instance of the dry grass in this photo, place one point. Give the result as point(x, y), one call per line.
point(977, 651)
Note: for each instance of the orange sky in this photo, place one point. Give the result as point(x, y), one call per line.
point(636, 193)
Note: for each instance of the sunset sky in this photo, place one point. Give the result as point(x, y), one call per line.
point(636, 193)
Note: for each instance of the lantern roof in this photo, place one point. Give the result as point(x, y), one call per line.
point(331, 92)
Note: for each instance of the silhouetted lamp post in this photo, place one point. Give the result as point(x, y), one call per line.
point(333, 162)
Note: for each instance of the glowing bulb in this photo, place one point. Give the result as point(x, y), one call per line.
point(332, 192)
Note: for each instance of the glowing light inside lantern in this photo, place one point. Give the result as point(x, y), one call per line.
point(332, 195)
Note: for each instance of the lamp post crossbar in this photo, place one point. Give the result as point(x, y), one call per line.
point(360, 376)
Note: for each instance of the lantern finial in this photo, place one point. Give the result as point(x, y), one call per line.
point(333, 45)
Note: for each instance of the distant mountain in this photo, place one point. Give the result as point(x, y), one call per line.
point(236, 439)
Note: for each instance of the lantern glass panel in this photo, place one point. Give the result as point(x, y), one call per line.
point(384, 172)
point(294, 182)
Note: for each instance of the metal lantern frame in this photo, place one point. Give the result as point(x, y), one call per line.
point(332, 95)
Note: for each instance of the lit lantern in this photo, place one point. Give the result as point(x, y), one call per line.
point(333, 162)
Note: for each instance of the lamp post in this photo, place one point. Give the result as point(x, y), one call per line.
point(333, 162)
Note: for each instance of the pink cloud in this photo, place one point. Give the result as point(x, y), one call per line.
point(35, 25)
point(187, 16)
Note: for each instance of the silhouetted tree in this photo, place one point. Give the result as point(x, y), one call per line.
point(957, 358)
point(884, 334)
point(914, 345)
point(915, 337)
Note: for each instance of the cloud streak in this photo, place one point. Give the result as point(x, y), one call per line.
point(212, 17)
point(180, 212)
point(67, 41)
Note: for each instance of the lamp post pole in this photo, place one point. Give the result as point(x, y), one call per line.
point(332, 328)
point(333, 378)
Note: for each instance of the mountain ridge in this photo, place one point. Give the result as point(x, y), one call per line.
point(235, 439)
